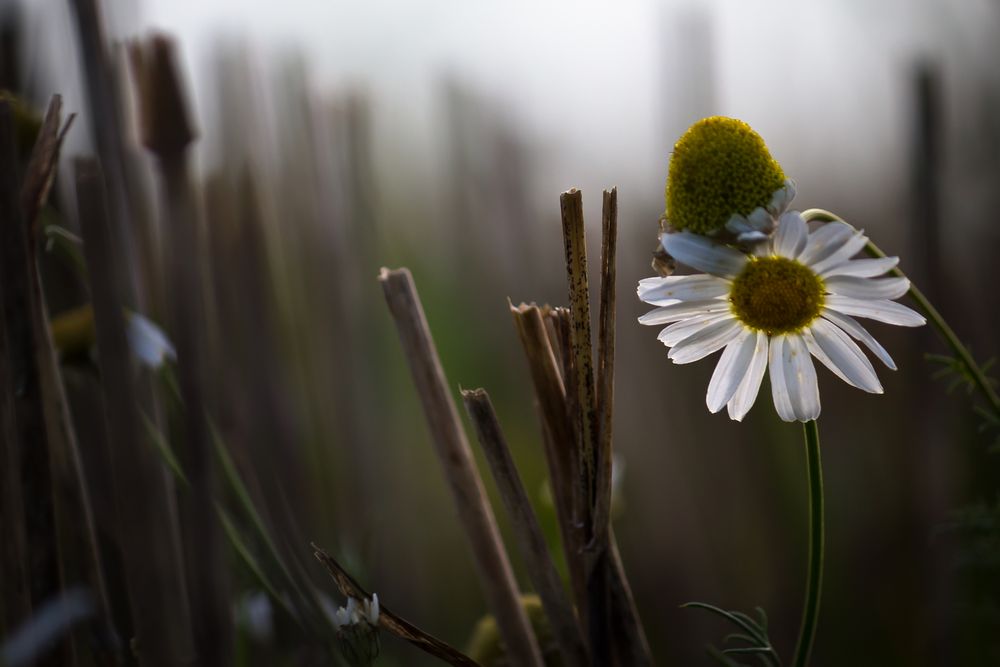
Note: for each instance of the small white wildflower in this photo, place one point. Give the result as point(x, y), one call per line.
point(149, 343)
point(357, 630)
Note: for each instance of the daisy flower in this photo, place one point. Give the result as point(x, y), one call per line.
point(795, 297)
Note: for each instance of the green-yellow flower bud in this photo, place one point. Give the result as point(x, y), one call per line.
point(487, 649)
point(719, 168)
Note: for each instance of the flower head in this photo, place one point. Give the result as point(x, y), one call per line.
point(722, 178)
point(357, 630)
point(797, 295)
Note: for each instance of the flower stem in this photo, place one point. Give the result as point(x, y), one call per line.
point(814, 576)
point(933, 316)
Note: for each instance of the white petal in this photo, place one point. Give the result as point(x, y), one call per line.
point(730, 370)
point(684, 310)
point(741, 402)
point(753, 227)
point(800, 378)
point(738, 224)
point(149, 343)
point(703, 343)
point(678, 331)
point(779, 390)
point(826, 240)
point(862, 268)
point(700, 253)
point(760, 220)
point(879, 310)
point(781, 198)
point(760, 249)
point(841, 254)
point(842, 356)
point(753, 237)
point(868, 288)
point(791, 237)
point(664, 291)
point(853, 328)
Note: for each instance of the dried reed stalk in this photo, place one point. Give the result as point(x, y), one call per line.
point(80, 555)
point(47, 505)
point(536, 335)
point(555, 353)
point(167, 130)
point(156, 589)
point(538, 562)
point(390, 621)
point(630, 643)
point(575, 242)
point(452, 447)
point(19, 575)
point(584, 415)
point(606, 368)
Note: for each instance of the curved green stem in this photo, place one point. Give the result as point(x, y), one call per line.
point(814, 576)
point(933, 316)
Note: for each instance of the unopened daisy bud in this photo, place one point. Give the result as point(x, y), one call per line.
point(723, 180)
point(487, 649)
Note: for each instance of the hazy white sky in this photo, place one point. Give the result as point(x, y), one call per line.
point(600, 84)
point(595, 75)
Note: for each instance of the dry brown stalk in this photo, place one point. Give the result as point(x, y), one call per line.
point(584, 412)
point(391, 621)
point(605, 368)
point(527, 530)
point(48, 507)
point(455, 455)
point(151, 571)
point(80, 554)
point(557, 430)
point(167, 130)
point(22, 448)
point(630, 643)
point(575, 243)
point(41, 168)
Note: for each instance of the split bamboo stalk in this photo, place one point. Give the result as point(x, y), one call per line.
point(455, 455)
point(527, 530)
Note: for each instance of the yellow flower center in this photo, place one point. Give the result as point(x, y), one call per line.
point(777, 295)
point(720, 167)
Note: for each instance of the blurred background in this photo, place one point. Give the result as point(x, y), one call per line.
point(336, 138)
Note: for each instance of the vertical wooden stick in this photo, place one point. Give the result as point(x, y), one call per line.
point(463, 479)
point(541, 569)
